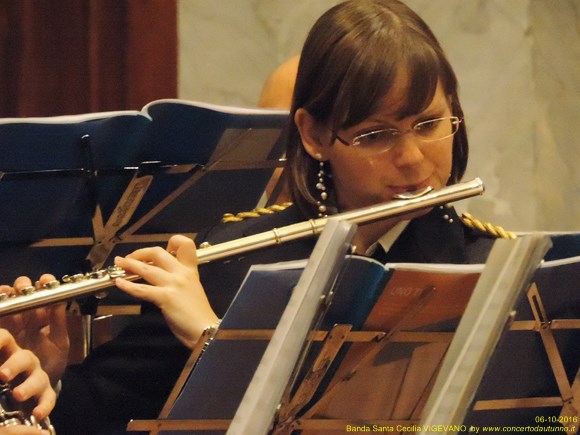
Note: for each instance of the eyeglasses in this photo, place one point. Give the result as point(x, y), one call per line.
point(381, 140)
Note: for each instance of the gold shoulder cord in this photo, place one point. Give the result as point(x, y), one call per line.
point(485, 227)
point(257, 212)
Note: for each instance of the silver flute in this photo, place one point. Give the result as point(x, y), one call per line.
point(71, 287)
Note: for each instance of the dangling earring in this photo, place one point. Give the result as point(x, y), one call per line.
point(321, 187)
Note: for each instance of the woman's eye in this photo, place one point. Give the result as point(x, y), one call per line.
point(427, 125)
point(373, 137)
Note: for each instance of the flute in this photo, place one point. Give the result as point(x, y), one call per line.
point(94, 282)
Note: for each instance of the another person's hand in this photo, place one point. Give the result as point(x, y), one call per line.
point(42, 330)
point(21, 369)
point(173, 285)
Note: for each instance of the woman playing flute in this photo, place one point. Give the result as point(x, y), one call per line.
point(375, 113)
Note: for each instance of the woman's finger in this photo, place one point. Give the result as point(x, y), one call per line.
point(21, 283)
point(6, 289)
point(152, 273)
point(36, 385)
point(156, 256)
point(20, 361)
point(45, 279)
point(8, 346)
point(46, 402)
point(183, 248)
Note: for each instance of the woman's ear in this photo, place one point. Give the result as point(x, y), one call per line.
point(315, 138)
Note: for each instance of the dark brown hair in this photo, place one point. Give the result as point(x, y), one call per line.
point(348, 64)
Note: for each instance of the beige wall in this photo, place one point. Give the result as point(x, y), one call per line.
point(518, 62)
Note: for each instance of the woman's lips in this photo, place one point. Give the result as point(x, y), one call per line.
point(410, 187)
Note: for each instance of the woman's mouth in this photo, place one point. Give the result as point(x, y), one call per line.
point(397, 190)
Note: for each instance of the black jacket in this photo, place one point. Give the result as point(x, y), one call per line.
point(438, 237)
point(131, 376)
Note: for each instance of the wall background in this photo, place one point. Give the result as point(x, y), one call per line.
point(518, 64)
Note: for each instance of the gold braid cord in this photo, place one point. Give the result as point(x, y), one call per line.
point(485, 227)
point(257, 212)
point(467, 219)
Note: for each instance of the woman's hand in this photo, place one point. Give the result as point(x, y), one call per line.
point(173, 285)
point(21, 368)
point(42, 330)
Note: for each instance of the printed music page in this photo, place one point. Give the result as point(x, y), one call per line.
point(390, 380)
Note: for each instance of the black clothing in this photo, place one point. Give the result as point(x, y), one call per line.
point(131, 376)
point(437, 237)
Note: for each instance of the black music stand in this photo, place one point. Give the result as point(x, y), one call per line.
point(527, 373)
point(533, 376)
point(98, 180)
point(78, 189)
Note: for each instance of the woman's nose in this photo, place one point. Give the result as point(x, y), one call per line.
point(407, 151)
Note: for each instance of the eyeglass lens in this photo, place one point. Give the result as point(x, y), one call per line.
point(430, 130)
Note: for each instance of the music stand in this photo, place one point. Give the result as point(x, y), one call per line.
point(294, 413)
point(83, 188)
point(294, 314)
point(97, 180)
point(533, 374)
